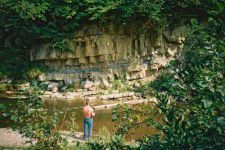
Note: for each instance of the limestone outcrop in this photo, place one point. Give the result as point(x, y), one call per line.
point(104, 53)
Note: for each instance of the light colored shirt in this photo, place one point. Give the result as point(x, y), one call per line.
point(88, 112)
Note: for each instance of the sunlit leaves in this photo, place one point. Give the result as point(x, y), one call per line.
point(32, 120)
point(28, 10)
point(199, 81)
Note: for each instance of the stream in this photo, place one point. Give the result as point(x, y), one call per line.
point(66, 108)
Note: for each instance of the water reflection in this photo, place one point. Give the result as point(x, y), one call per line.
point(103, 117)
point(67, 108)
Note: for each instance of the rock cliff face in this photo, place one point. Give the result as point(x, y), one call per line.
point(104, 53)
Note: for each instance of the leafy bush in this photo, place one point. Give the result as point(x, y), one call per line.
point(3, 87)
point(33, 121)
point(71, 87)
point(198, 80)
point(34, 71)
point(115, 142)
point(2, 111)
point(103, 136)
point(189, 126)
point(14, 62)
point(105, 140)
point(71, 125)
point(169, 83)
point(120, 85)
point(3, 76)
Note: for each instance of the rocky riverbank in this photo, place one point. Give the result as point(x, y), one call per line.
point(10, 138)
point(92, 95)
point(13, 139)
point(99, 99)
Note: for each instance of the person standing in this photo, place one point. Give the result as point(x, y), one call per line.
point(88, 113)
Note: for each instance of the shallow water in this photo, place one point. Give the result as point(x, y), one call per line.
point(66, 108)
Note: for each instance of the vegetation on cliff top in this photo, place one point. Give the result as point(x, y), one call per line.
point(26, 23)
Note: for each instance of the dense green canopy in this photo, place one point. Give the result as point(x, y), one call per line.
point(25, 23)
point(47, 19)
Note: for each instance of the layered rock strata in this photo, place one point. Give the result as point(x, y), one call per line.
point(105, 53)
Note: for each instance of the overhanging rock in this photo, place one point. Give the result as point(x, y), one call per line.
point(129, 52)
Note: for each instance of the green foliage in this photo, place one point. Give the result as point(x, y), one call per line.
point(146, 89)
point(80, 146)
point(62, 45)
point(120, 85)
point(3, 87)
point(198, 80)
point(129, 119)
point(3, 76)
point(71, 125)
point(103, 136)
point(13, 62)
point(2, 110)
point(169, 83)
point(33, 121)
point(29, 23)
point(34, 72)
point(116, 142)
point(201, 74)
point(71, 87)
point(188, 126)
point(105, 140)
point(121, 10)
